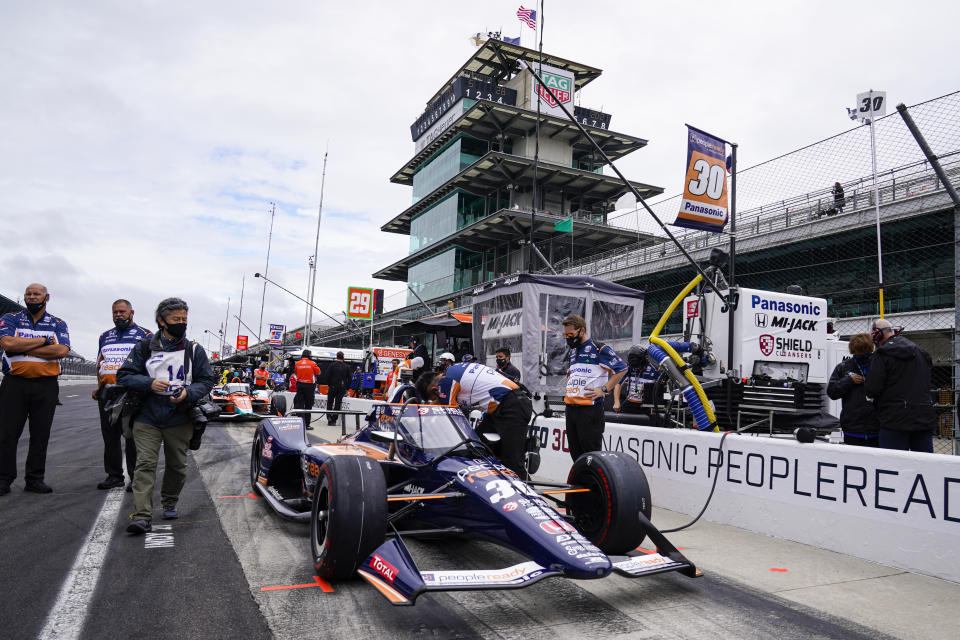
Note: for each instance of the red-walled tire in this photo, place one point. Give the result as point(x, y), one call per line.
point(349, 516)
point(607, 515)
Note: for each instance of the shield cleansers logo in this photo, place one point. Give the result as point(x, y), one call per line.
point(560, 85)
point(766, 344)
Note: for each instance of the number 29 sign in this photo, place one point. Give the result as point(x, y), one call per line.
point(359, 302)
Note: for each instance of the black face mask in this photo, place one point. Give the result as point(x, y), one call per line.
point(177, 330)
point(501, 363)
point(574, 342)
point(35, 307)
point(121, 323)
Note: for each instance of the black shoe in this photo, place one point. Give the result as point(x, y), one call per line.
point(4, 489)
point(38, 487)
point(110, 483)
point(139, 526)
point(309, 428)
point(130, 487)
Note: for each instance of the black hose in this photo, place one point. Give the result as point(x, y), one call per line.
point(709, 497)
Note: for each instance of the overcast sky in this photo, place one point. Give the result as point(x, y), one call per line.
point(143, 142)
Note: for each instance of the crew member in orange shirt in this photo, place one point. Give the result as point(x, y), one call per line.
point(260, 377)
point(306, 371)
point(391, 375)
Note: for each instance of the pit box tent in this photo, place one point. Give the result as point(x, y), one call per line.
point(523, 312)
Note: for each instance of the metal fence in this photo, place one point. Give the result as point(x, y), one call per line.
point(790, 229)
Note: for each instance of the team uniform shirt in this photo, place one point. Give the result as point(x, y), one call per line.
point(305, 370)
point(590, 367)
point(21, 325)
point(292, 382)
point(260, 377)
point(115, 345)
point(634, 381)
point(390, 376)
point(474, 385)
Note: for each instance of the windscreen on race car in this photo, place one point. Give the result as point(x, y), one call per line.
point(236, 387)
point(431, 429)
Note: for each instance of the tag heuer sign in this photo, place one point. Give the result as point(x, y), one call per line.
point(559, 81)
point(562, 87)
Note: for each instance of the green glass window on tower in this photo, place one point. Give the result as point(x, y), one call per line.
point(456, 211)
point(462, 269)
point(460, 153)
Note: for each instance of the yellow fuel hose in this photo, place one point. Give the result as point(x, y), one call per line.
point(688, 374)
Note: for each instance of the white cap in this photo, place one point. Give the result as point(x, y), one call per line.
point(446, 355)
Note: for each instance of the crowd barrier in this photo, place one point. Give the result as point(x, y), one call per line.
point(897, 508)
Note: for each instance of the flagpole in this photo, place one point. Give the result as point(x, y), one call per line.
point(876, 201)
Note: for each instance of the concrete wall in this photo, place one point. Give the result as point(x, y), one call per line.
point(897, 508)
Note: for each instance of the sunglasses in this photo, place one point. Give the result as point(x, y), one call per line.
point(571, 335)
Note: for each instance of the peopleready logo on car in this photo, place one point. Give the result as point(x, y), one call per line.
point(517, 574)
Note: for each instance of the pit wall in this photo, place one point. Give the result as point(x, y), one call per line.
point(897, 508)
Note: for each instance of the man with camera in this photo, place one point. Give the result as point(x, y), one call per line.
point(173, 374)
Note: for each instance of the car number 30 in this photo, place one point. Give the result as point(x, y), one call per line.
point(710, 181)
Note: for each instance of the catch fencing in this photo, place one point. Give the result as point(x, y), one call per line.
point(792, 227)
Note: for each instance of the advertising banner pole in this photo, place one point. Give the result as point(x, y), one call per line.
point(876, 205)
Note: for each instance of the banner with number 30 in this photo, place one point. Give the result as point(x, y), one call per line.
point(704, 204)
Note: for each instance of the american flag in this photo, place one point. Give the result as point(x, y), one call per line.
point(529, 16)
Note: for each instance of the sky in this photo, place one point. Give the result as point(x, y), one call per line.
point(144, 142)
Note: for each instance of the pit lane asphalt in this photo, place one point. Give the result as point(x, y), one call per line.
point(228, 549)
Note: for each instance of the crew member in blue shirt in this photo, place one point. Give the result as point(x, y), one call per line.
point(595, 370)
point(33, 342)
point(114, 347)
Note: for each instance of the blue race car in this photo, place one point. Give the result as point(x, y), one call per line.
point(422, 471)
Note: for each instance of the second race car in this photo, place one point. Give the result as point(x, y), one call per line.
point(237, 402)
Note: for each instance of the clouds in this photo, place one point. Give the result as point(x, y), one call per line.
point(144, 142)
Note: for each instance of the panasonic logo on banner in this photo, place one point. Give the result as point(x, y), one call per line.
point(807, 308)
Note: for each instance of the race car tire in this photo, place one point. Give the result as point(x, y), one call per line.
point(278, 405)
point(349, 516)
point(607, 515)
point(255, 456)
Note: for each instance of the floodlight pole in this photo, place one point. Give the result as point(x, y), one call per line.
point(316, 245)
point(266, 270)
point(243, 283)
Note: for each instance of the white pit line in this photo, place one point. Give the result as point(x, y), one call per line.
point(69, 612)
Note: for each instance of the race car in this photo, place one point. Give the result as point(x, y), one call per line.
point(422, 471)
point(237, 402)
